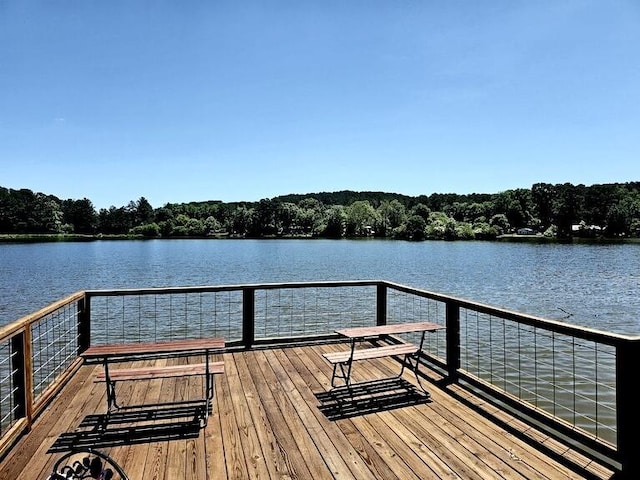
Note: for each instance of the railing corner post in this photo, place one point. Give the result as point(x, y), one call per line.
point(381, 304)
point(248, 316)
point(628, 414)
point(453, 340)
point(84, 323)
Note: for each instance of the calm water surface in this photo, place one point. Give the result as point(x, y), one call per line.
point(591, 285)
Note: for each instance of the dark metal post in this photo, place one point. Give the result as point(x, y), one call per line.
point(19, 374)
point(628, 414)
point(381, 305)
point(453, 340)
point(84, 323)
point(248, 317)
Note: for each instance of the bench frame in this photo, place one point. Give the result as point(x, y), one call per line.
point(107, 354)
point(207, 369)
point(343, 361)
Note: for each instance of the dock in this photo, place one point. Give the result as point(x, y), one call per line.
point(495, 394)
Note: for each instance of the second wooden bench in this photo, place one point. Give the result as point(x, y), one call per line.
point(344, 359)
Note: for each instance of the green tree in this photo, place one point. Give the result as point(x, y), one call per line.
point(500, 223)
point(335, 224)
point(263, 222)
point(241, 220)
point(211, 225)
point(564, 209)
point(415, 228)
point(115, 220)
point(516, 205)
point(361, 217)
point(80, 214)
point(616, 221)
point(456, 210)
point(186, 226)
point(143, 211)
point(147, 230)
point(390, 215)
point(311, 216)
point(483, 231)
point(441, 226)
point(542, 198)
point(464, 231)
point(478, 212)
point(286, 216)
point(46, 215)
point(422, 210)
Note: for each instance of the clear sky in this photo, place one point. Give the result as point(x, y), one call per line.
point(196, 100)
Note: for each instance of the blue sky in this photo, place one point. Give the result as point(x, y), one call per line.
point(243, 100)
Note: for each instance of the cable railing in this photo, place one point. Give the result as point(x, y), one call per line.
point(165, 314)
point(564, 376)
point(10, 412)
point(575, 382)
point(37, 354)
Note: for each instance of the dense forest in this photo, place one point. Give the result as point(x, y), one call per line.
point(558, 211)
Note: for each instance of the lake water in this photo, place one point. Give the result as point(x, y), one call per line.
point(591, 285)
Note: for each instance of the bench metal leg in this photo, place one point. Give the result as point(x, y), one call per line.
point(210, 386)
point(345, 373)
point(413, 362)
point(112, 402)
point(406, 361)
point(345, 368)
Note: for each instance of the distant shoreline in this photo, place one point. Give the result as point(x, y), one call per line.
point(515, 238)
point(62, 237)
point(70, 237)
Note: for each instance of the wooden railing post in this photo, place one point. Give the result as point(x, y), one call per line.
point(381, 304)
point(84, 323)
point(628, 414)
point(248, 316)
point(453, 340)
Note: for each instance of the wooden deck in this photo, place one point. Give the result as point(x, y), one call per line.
point(273, 418)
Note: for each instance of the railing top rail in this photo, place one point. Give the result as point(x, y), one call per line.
point(22, 323)
point(222, 288)
point(527, 319)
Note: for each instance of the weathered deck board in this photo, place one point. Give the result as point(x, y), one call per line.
point(294, 442)
point(268, 422)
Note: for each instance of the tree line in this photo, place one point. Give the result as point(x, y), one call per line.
point(560, 210)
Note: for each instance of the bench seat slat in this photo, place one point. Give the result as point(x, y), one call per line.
point(150, 373)
point(370, 353)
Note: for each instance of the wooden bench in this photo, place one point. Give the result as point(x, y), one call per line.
point(343, 360)
point(108, 354)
